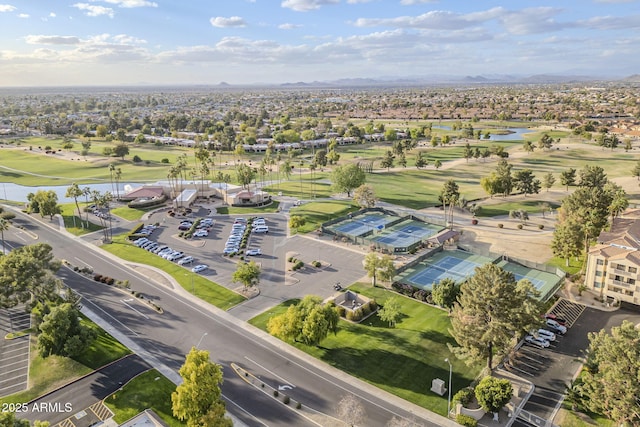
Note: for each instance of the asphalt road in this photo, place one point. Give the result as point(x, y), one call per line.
point(169, 337)
point(75, 397)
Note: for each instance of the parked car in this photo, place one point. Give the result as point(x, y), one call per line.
point(175, 256)
point(160, 249)
point(240, 219)
point(201, 233)
point(254, 252)
point(141, 241)
point(258, 222)
point(230, 250)
point(186, 260)
point(537, 342)
point(556, 327)
point(261, 229)
point(199, 268)
point(546, 334)
point(552, 316)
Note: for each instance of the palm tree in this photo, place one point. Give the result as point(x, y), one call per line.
point(117, 176)
point(75, 192)
point(86, 192)
point(112, 169)
point(4, 225)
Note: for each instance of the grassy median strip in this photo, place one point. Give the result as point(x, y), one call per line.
point(203, 288)
point(401, 360)
point(150, 390)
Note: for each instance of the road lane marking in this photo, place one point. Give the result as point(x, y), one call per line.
point(132, 308)
point(271, 372)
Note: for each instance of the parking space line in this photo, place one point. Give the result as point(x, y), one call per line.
point(4, 365)
point(11, 379)
point(22, 343)
point(13, 386)
point(22, 350)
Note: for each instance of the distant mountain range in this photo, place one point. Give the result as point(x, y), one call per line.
point(437, 80)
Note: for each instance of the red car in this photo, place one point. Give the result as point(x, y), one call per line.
point(561, 321)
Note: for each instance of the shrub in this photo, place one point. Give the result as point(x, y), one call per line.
point(97, 277)
point(316, 264)
point(464, 396)
point(501, 225)
point(357, 314)
point(366, 310)
point(275, 393)
point(540, 226)
point(520, 226)
point(290, 259)
point(286, 400)
point(474, 221)
point(373, 305)
point(111, 281)
point(298, 405)
point(136, 159)
point(466, 420)
point(299, 265)
point(341, 311)
point(165, 160)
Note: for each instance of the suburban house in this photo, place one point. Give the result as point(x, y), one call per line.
point(613, 265)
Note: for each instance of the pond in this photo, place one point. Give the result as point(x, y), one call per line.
point(18, 193)
point(513, 135)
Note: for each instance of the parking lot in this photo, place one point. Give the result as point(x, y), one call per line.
point(276, 284)
point(14, 353)
point(552, 369)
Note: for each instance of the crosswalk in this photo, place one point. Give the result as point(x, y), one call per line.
point(568, 310)
point(94, 414)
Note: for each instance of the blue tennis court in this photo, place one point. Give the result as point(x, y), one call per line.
point(403, 236)
point(359, 225)
point(537, 283)
point(456, 265)
point(430, 275)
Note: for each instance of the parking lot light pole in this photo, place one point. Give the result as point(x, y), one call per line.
point(449, 398)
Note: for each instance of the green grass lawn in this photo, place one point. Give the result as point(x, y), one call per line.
point(306, 188)
point(401, 360)
point(131, 214)
point(531, 206)
point(149, 390)
point(315, 213)
point(574, 265)
point(198, 285)
point(55, 371)
point(73, 223)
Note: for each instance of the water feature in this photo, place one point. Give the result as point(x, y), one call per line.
point(513, 135)
point(18, 193)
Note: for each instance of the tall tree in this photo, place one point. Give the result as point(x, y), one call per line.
point(526, 182)
point(309, 321)
point(245, 174)
point(390, 311)
point(437, 163)
point(74, 191)
point(422, 162)
point(387, 160)
point(62, 333)
point(379, 267)
point(47, 201)
point(4, 225)
point(247, 273)
point(548, 180)
point(347, 177)
point(364, 196)
point(468, 152)
point(568, 239)
point(445, 293)
point(505, 180)
point(198, 400)
point(491, 311)
point(568, 178)
point(592, 177)
point(528, 146)
point(27, 273)
point(610, 382)
point(449, 195)
point(121, 150)
point(636, 170)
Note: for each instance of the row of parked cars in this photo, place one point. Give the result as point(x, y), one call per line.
point(543, 337)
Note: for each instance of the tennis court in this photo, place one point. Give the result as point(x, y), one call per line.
point(455, 265)
point(406, 234)
point(546, 283)
point(361, 224)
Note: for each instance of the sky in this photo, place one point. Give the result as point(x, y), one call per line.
point(185, 42)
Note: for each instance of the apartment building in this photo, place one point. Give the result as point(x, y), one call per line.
point(613, 265)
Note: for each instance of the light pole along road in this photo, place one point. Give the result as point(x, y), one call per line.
point(169, 336)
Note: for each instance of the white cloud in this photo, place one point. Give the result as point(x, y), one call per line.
point(611, 22)
point(289, 26)
point(52, 15)
point(56, 40)
point(533, 20)
point(7, 8)
point(306, 5)
point(222, 22)
point(91, 10)
point(131, 3)
point(23, 15)
point(613, 1)
point(358, 1)
point(412, 2)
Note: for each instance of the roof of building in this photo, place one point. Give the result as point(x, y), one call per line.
point(624, 233)
point(145, 191)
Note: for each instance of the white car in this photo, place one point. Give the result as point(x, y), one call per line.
point(261, 229)
point(230, 250)
point(201, 233)
point(175, 256)
point(546, 335)
point(199, 268)
point(253, 252)
point(537, 342)
point(186, 260)
point(258, 222)
point(555, 326)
